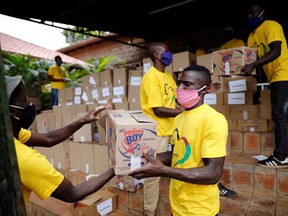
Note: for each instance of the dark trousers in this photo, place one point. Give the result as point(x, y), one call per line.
point(279, 103)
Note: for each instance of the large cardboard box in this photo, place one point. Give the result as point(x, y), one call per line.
point(252, 125)
point(239, 84)
point(100, 203)
point(120, 76)
point(147, 64)
point(130, 133)
point(214, 98)
point(206, 61)
point(101, 158)
point(61, 157)
point(90, 81)
point(236, 98)
point(230, 61)
point(245, 112)
point(106, 77)
point(182, 60)
point(85, 133)
point(135, 77)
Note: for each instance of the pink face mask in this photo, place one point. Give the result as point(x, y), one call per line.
point(188, 98)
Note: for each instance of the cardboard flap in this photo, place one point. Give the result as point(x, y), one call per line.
point(89, 200)
point(142, 118)
point(101, 125)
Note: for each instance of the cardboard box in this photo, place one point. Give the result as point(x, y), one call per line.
point(134, 94)
point(239, 84)
point(120, 76)
point(214, 98)
point(124, 105)
point(127, 183)
point(147, 63)
point(101, 158)
point(237, 98)
point(135, 77)
point(182, 60)
point(85, 133)
point(90, 81)
point(206, 61)
point(224, 109)
point(265, 97)
point(120, 91)
point(245, 112)
point(61, 156)
point(252, 125)
point(130, 133)
point(265, 112)
point(86, 154)
point(230, 61)
point(100, 203)
point(106, 77)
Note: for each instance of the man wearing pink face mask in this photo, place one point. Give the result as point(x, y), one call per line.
point(196, 161)
point(157, 97)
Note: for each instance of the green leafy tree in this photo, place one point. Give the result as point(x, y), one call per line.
point(74, 36)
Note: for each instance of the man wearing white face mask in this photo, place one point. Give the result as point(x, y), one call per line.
point(157, 97)
point(196, 161)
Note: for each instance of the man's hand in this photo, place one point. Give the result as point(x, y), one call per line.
point(247, 69)
point(214, 87)
point(152, 169)
point(92, 115)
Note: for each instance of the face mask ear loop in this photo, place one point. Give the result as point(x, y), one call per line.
point(259, 16)
point(201, 90)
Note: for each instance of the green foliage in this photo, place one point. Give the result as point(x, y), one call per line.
point(34, 73)
point(102, 62)
point(32, 70)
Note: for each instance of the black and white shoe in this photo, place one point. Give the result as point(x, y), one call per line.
point(226, 192)
point(273, 162)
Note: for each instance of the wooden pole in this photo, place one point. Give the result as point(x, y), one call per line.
point(11, 197)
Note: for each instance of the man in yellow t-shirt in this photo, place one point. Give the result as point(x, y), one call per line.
point(196, 161)
point(157, 98)
point(37, 174)
point(230, 40)
point(57, 76)
point(268, 38)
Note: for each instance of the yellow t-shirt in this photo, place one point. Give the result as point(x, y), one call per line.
point(200, 52)
point(235, 42)
point(158, 90)
point(266, 33)
point(36, 172)
point(57, 72)
point(198, 133)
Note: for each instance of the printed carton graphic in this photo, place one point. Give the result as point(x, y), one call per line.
point(230, 61)
point(129, 134)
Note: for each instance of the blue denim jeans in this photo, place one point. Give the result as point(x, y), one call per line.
point(279, 103)
point(54, 97)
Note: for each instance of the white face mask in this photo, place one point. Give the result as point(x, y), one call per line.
point(188, 98)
